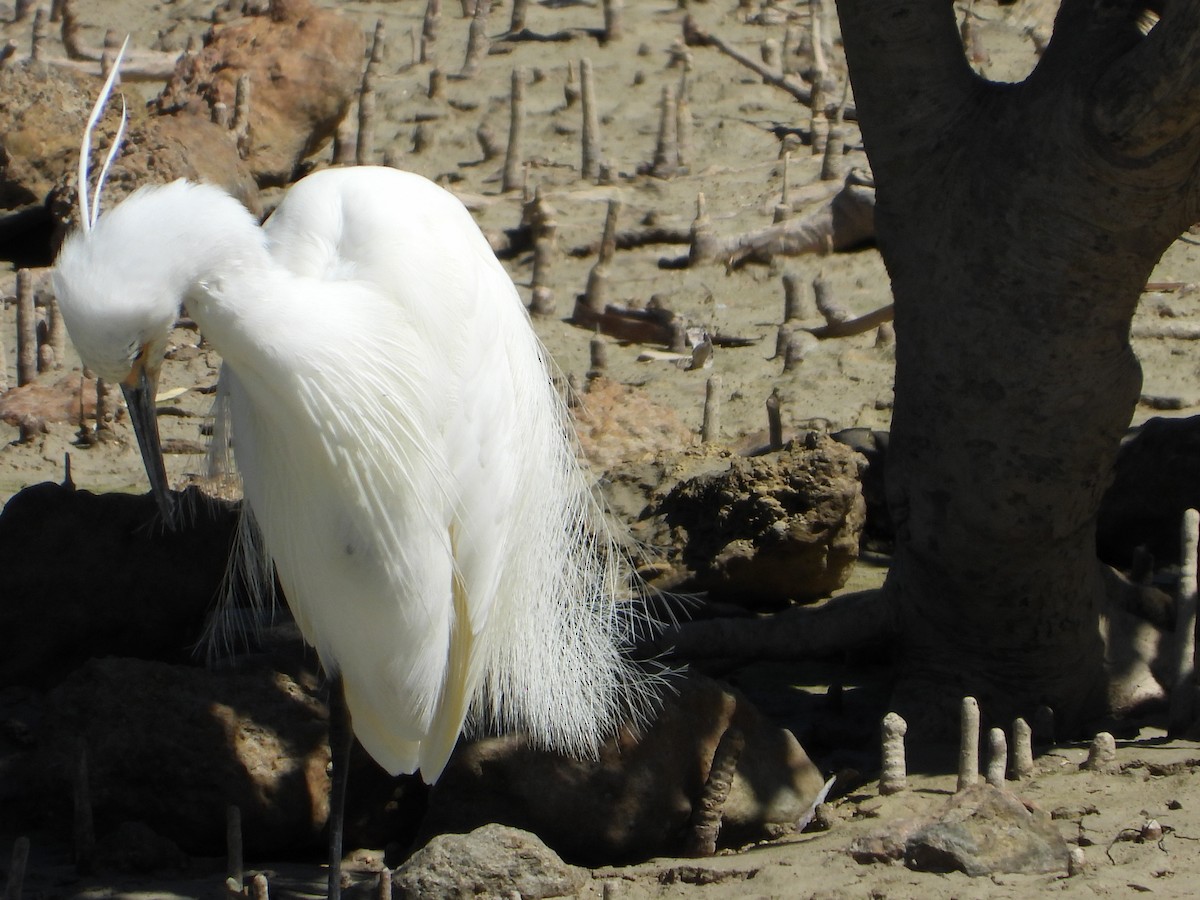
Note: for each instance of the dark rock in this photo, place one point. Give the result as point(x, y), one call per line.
point(135, 847)
point(635, 801)
point(872, 444)
point(1156, 477)
point(984, 831)
point(172, 747)
point(90, 575)
point(494, 861)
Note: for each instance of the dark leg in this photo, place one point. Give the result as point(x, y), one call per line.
point(341, 738)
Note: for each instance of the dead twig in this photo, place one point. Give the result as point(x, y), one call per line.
point(695, 36)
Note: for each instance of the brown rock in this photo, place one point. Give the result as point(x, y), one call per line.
point(161, 149)
point(43, 110)
point(305, 65)
point(61, 401)
point(42, 113)
point(635, 801)
point(757, 531)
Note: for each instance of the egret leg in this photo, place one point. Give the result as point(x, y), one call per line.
point(341, 739)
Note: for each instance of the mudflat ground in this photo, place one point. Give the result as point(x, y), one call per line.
point(734, 159)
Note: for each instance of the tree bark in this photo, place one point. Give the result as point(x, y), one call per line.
point(1018, 224)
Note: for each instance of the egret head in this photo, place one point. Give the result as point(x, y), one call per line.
point(119, 306)
point(119, 324)
point(119, 301)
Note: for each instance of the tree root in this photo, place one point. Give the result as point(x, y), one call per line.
point(1138, 654)
point(841, 623)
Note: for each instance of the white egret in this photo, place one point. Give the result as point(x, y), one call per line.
point(402, 448)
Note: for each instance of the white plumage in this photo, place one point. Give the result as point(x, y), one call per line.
point(401, 445)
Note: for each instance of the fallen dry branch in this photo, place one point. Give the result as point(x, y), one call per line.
point(554, 37)
point(1180, 331)
point(862, 324)
point(632, 239)
point(733, 340)
point(844, 222)
point(695, 36)
point(651, 325)
point(145, 66)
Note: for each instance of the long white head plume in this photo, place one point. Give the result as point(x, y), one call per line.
point(88, 216)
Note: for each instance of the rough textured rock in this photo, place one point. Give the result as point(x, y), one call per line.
point(634, 802)
point(985, 831)
point(494, 861)
point(171, 747)
point(161, 149)
point(43, 110)
point(884, 846)
point(305, 65)
point(758, 531)
point(135, 847)
point(92, 575)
